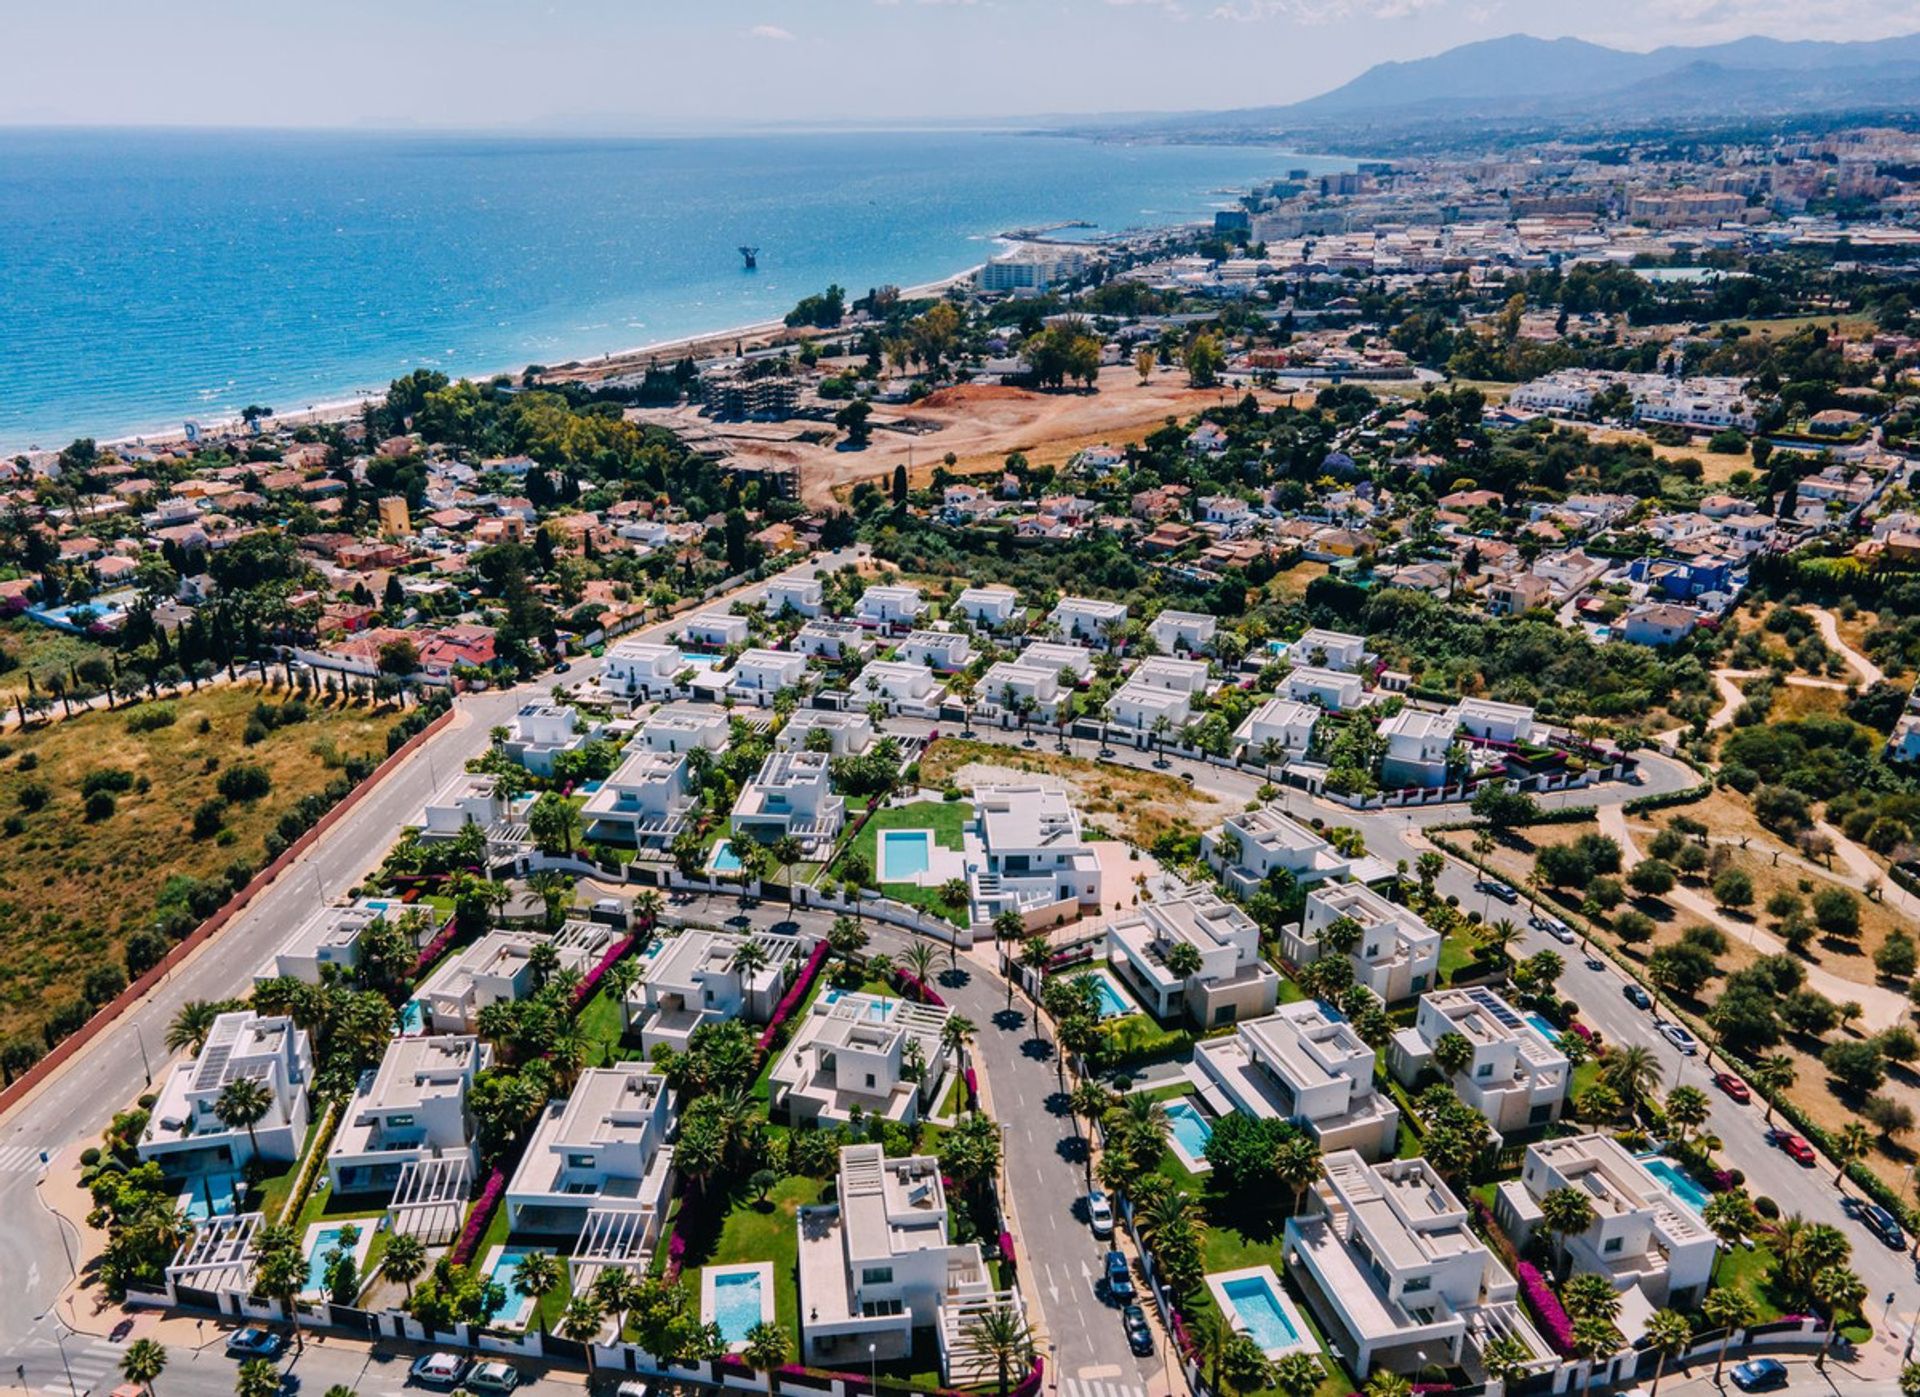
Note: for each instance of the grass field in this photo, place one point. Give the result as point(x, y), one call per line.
point(72, 889)
point(40, 650)
point(945, 818)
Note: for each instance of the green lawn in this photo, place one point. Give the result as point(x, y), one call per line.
point(944, 817)
point(602, 1022)
point(755, 1231)
point(269, 1196)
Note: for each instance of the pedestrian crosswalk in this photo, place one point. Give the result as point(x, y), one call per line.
point(93, 1365)
point(1083, 1387)
point(18, 1159)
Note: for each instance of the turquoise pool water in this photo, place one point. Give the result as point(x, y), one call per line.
point(1107, 995)
point(412, 1017)
point(1190, 1129)
point(1260, 1312)
point(880, 1010)
point(514, 1313)
point(1544, 1027)
point(724, 859)
point(736, 1304)
point(905, 854)
point(1678, 1182)
point(210, 1195)
point(324, 1242)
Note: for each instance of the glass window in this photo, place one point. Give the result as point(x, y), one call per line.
point(876, 1275)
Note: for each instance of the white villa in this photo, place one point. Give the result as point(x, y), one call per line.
point(872, 1052)
point(1329, 650)
point(945, 651)
point(791, 794)
point(1494, 722)
point(1417, 745)
point(1333, 689)
point(804, 594)
point(1013, 679)
point(890, 606)
point(1250, 844)
point(410, 1109)
point(1641, 1234)
point(895, 683)
point(602, 1149)
point(1086, 618)
point(1304, 1063)
point(991, 607)
point(833, 640)
point(1142, 707)
point(499, 969)
point(1234, 982)
point(1025, 854)
point(760, 674)
point(681, 727)
point(331, 937)
point(541, 731)
point(640, 671)
point(698, 978)
point(468, 798)
point(718, 629)
point(184, 1131)
point(1516, 1078)
point(645, 802)
point(1398, 955)
point(1394, 1271)
point(1051, 655)
point(1174, 631)
point(1282, 720)
point(848, 732)
point(875, 1265)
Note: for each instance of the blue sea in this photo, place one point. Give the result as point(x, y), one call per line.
point(151, 277)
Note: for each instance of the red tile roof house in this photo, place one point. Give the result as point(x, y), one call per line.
point(457, 645)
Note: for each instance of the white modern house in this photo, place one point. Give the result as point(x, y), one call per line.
point(1174, 631)
point(468, 798)
point(410, 1109)
point(1487, 721)
point(1642, 1236)
point(1051, 655)
point(185, 1133)
point(945, 651)
point(890, 606)
point(1191, 677)
point(1250, 845)
point(604, 1148)
point(1025, 854)
point(1234, 982)
point(876, 1264)
point(331, 936)
point(541, 731)
point(680, 727)
point(641, 671)
point(1393, 1269)
point(500, 968)
point(645, 802)
point(1326, 649)
point(843, 732)
point(760, 674)
point(1087, 618)
point(716, 629)
point(994, 608)
point(701, 977)
point(1304, 1063)
point(1417, 746)
point(898, 684)
point(1397, 955)
point(1006, 683)
point(1145, 708)
point(1904, 744)
point(802, 594)
point(858, 1054)
point(827, 639)
point(791, 794)
point(1282, 720)
point(1334, 689)
point(1517, 1077)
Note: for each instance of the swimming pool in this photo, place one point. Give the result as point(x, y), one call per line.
point(736, 1298)
point(905, 854)
point(1544, 1027)
point(1110, 999)
point(320, 1244)
point(1254, 1302)
point(879, 1010)
point(412, 1018)
point(724, 859)
point(1191, 1132)
point(210, 1195)
point(1677, 1181)
point(505, 1266)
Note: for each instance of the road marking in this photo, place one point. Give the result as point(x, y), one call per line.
point(1080, 1387)
point(17, 1159)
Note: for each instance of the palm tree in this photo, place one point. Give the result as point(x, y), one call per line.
point(581, 1322)
point(1183, 959)
point(1566, 1213)
point(1506, 1359)
point(1296, 1164)
point(1090, 1101)
point(243, 1102)
point(1633, 1072)
point(1593, 1338)
point(536, 1277)
point(1143, 1127)
point(144, 1360)
point(258, 1377)
point(647, 908)
point(1296, 1375)
point(1729, 1311)
point(1496, 937)
point(1668, 1334)
point(955, 1034)
point(1847, 1144)
point(1590, 1295)
point(1774, 1075)
point(1342, 935)
point(1000, 1339)
point(1036, 953)
point(750, 958)
point(405, 1260)
point(919, 959)
point(1837, 1291)
point(1387, 1383)
point(193, 1022)
point(1730, 1217)
point(767, 1348)
point(1452, 1053)
point(1687, 1109)
point(786, 851)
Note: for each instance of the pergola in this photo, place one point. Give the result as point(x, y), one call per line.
point(430, 1198)
point(610, 1237)
point(218, 1256)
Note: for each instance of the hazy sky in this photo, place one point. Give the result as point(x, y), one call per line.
point(701, 63)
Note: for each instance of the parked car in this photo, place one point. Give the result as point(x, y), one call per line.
point(1119, 1277)
point(1506, 892)
point(1796, 1147)
point(1139, 1333)
point(1733, 1087)
point(255, 1343)
point(1759, 1374)
point(1552, 926)
point(1678, 1036)
point(493, 1376)
point(1637, 997)
point(1100, 1214)
point(1878, 1221)
point(441, 1369)
point(633, 1387)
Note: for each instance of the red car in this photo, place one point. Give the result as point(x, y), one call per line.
point(1796, 1147)
point(1733, 1087)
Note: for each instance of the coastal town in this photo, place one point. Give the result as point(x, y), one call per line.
point(1322, 803)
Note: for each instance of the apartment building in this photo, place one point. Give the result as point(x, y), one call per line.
point(897, 684)
point(1233, 982)
point(184, 1132)
point(1025, 854)
point(1304, 1063)
point(1007, 683)
point(792, 793)
point(827, 639)
point(678, 728)
point(760, 674)
point(1146, 708)
point(604, 1148)
point(1517, 1077)
point(1397, 955)
point(714, 629)
point(861, 1055)
point(701, 977)
point(1487, 721)
point(645, 803)
point(468, 798)
point(1249, 846)
point(330, 937)
point(411, 1108)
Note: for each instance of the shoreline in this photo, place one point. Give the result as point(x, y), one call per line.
point(615, 364)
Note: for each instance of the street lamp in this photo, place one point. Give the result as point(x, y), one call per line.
point(873, 1368)
point(147, 1066)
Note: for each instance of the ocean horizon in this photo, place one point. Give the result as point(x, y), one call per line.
point(160, 276)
